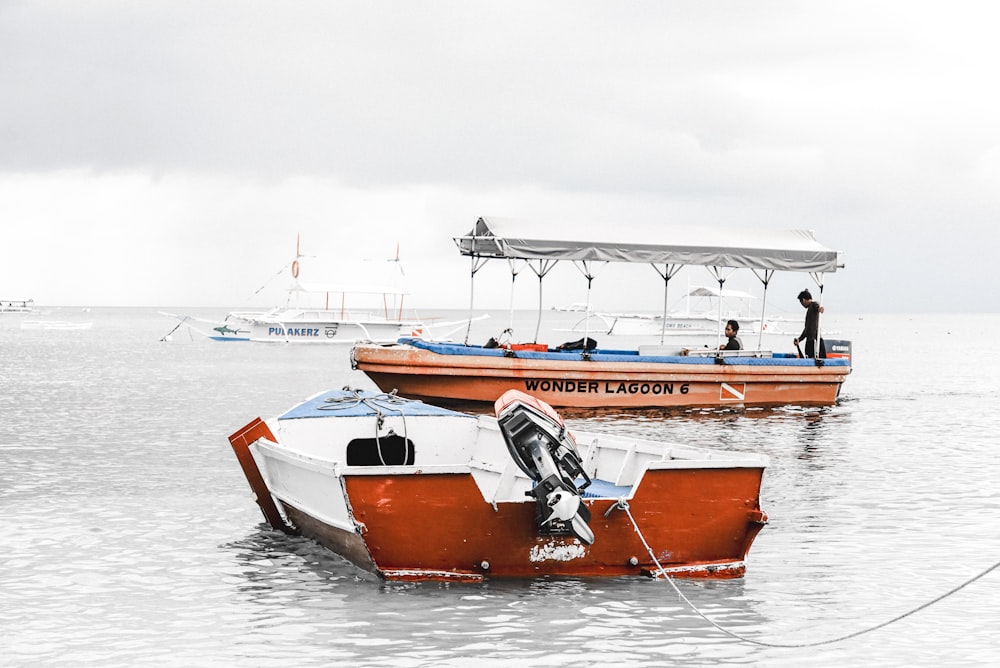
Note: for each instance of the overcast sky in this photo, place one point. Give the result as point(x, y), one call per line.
point(168, 153)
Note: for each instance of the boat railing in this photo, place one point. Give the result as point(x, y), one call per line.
point(285, 314)
point(709, 352)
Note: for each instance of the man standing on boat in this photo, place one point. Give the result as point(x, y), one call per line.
point(810, 333)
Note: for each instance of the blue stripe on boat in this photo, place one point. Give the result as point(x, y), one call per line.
point(601, 355)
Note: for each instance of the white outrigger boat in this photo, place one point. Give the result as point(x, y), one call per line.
point(324, 322)
point(588, 376)
point(317, 313)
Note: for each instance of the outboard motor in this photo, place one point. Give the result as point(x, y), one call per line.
point(837, 348)
point(540, 445)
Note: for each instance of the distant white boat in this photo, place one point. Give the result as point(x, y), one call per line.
point(55, 325)
point(17, 305)
point(575, 307)
point(318, 313)
point(701, 315)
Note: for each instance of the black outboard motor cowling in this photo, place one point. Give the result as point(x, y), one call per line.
point(837, 348)
point(546, 452)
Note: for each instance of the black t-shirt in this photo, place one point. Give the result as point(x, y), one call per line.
point(811, 329)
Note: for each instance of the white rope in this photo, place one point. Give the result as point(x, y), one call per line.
point(623, 505)
point(377, 403)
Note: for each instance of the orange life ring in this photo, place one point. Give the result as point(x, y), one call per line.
point(295, 268)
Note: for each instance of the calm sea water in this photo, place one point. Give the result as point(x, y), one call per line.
point(129, 536)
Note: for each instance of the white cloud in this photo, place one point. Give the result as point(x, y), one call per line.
point(167, 153)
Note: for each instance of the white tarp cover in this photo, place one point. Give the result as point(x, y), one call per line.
point(782, 250)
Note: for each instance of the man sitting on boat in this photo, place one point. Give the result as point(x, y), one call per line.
point(734, 343)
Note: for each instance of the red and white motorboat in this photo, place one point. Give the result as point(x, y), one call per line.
point(412, 491)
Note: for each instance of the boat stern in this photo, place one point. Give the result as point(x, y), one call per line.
point(240, 440)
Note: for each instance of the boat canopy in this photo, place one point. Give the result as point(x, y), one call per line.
point(780, 250)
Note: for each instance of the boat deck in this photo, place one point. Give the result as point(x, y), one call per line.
point(437, 440)
point(742, 357)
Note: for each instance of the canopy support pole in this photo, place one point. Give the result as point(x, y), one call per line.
point(477, 264)
point(585, 268)
point(513, 279)
point(544, 267)
point(669, 271)
point(765, 280)
point(818, 279)
point(718, 273)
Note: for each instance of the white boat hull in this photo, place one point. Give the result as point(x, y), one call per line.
point(266, 328)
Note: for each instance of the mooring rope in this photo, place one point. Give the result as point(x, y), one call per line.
point(377, 403)
point(623, 505)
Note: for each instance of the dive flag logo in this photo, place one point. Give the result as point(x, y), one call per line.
point(733, 392)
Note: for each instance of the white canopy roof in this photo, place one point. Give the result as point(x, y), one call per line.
point(782, 250)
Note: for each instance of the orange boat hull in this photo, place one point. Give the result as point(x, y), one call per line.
point(586, 384)
point(698, 523)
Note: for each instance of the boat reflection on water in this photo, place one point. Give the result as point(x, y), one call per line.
point(352, 619)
